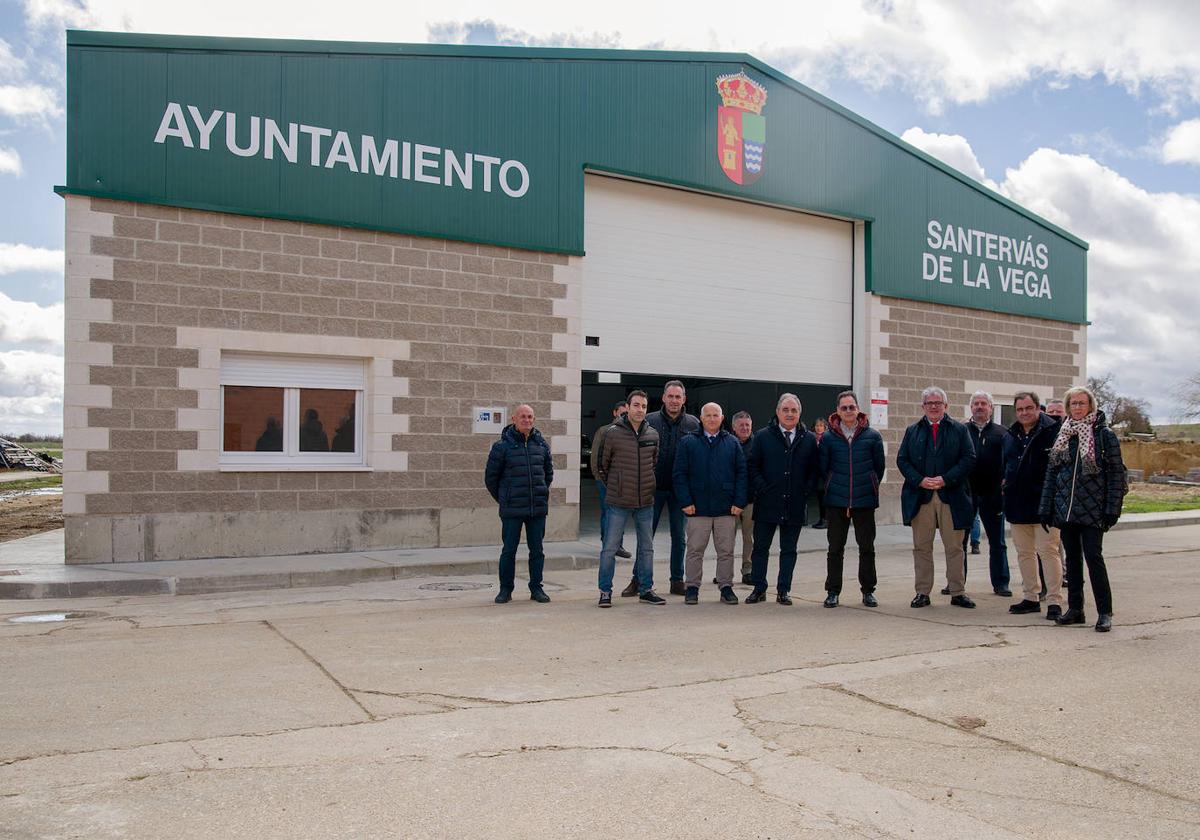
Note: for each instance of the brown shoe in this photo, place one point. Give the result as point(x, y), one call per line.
point(677, 588)
point(631, 590)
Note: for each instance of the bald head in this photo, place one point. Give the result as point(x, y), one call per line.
point(523, 419)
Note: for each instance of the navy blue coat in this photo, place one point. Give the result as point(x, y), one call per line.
point(710, 474)
point(1025, 469)
point(519, 473)
point(781, 477)
point(852, 470)
point(953, 459)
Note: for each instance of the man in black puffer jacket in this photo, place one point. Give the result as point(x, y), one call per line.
point(519, 472)
point(672, 423)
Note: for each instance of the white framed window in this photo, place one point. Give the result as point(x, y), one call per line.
point(292, 412)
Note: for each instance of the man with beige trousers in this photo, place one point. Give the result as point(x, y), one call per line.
point(936, 458)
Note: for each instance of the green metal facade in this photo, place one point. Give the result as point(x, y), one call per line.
point(554, 114)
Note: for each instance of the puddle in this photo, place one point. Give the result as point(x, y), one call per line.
point(51, 617)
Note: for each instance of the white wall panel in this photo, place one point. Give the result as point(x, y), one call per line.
point(693, 285)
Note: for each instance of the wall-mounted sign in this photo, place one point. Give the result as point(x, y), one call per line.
point(879, 408)
point(488, 421)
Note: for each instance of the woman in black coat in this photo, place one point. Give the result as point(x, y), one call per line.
point(1082, 496)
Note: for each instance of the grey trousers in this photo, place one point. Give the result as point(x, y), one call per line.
point(746, 523)
point(935, 516)
point(723, 530)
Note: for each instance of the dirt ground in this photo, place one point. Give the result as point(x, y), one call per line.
point(24, 515)
point(1162, 492)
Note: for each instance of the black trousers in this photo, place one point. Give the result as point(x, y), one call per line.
point(1083, 542)
point(838, 522)
point(764, 535)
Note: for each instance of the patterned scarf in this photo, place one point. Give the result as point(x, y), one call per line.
point(1083, 429)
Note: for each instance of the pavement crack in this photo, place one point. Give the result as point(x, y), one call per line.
point(1010, 745)
point(349, 694)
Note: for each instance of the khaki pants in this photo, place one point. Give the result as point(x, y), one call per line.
point(933, 516)
point(723, 530)
point(746, 523)
point(1031, 541)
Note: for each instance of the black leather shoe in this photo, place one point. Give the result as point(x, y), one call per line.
point(869, 600)
point(831, 600)
point(945, 590)
point(747, 580)
point(757, 596)
point(1053, 612)
point(677, 588)
point(1022, 607)
point(623, 554)
point(728, 596)
point(782, 598)
point(631, 590)
point(1003, 592)
point(962, 601)
point(539, 595)
point(715, 582)
point(1104, 624)
point(692, 595)
point(503, 596)
point(1071, 617)
point(920, 601)
point(974, 548)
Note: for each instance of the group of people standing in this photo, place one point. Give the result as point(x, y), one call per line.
point(1056, 480)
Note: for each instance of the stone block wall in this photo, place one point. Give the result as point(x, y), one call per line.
point(155, 294)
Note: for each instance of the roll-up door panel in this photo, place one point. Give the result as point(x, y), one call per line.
point(693, 285)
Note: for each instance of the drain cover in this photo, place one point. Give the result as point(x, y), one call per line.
point(48, 618)
point(459, 586)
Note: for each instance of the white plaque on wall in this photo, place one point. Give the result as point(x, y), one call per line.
point(879, 408)
point(489, 421)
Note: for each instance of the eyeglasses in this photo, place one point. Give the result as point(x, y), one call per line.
point(933, 403)
point(847, 408)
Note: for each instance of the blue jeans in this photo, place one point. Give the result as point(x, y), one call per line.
point(643, 562)
point(975, 529)
point(990, 510)
point(602, 491)
point(678, 529)
point(764, 535)
point(535, 530)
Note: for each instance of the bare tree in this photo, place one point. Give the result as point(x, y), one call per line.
point(1120, 409)
point(1188, 394)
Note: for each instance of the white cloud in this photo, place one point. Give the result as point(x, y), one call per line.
point(28, 100)
point(10, 162)
point(1183, 143)
point(25, 322)
point(60, 14)
point(952, 149)
point(31, 392)
point(1142, 268)
point(941, 51)
point(18, 257)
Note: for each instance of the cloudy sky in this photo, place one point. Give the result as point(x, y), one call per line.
point(1091, 119)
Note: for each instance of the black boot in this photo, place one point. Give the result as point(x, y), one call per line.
point(1071, 616)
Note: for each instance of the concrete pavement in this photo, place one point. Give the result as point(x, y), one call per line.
point(32, 567)
point(397, 709)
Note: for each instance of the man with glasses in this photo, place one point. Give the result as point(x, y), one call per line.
point(936, 458)
point(852, 462)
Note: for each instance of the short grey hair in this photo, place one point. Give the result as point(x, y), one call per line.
point(933, 390)
point(739, 415)
point(985, 395)
point(1055, 402)
point(790, 396)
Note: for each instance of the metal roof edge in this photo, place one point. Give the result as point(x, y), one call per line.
point(138, 40)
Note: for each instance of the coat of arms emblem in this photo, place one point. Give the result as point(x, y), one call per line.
point(741, 127)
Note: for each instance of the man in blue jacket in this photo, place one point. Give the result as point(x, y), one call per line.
point(782, 470)
point(936, 458)
point(852, 462)
point(710, 480)
point(519, 472)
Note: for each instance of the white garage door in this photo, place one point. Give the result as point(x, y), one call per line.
point(693, 285)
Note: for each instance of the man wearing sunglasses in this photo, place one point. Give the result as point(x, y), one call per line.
point(936, 458)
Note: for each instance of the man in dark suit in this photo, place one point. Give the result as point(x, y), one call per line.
point(936, 458)
point(782, 469)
